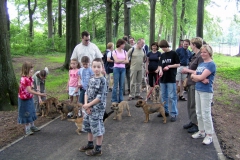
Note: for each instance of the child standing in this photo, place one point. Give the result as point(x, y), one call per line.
point(85, 73)
point(95, 104)
point(26, 110)
point(72, 85)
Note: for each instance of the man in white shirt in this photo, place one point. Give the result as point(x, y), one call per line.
point(86, 48)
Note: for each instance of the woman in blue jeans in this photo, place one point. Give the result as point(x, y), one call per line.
point(120, 59)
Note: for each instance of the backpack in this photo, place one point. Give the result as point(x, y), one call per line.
point(104, 58)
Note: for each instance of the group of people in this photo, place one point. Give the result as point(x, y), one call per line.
point(89, 85)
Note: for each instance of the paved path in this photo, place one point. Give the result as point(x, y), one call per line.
point(127, 139)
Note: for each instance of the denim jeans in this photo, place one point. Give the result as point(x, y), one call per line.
point(169, 96)
point(203, 110)
point(82, 94)
point(119, 78)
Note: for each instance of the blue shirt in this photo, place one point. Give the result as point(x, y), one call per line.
point(184, 55)
point(85, 74)
point(209, 86)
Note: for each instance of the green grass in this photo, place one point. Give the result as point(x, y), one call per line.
point(228, 67)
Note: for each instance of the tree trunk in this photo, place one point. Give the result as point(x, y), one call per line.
point(182, 20)
point(152, 21)
point(72, 29)
point(127, 20)
point(31, 12)
point(200, 16)
point(8, 83)
point(60, 18)
point(116, 19)
point(174, 36)
point(49, 18)
point(108, 4)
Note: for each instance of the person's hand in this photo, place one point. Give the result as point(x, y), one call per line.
point(160, 74)
point(147, 71)
point(86, 106)
point(166, 68)
point(156, 71)
point(88, 111)
point(43, 94)
point(40, 100)
point(205, 81)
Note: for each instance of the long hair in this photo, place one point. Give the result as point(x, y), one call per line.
point(26, 67)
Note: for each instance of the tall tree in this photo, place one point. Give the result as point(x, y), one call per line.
point(108, 4)
point(117, 7)
point(182, 20)
point(8, 83)
point(174, 31)
point(200, 18)
point(127, 19)
point(49, 18)
point(31, 12)
point(72, 29)
point(152, 21)
point(60, 18)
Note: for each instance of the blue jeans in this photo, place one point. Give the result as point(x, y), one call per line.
point(119, 77)
point(81, 97)
point(169, 96)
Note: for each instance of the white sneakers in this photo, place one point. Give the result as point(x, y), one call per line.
point(207, 139)
point(198, 135)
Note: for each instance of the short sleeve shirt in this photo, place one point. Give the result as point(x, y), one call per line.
point(153, 60)
point(24, 83)
point(121, 56)
point(85, 74)
point(73, 78)
point(209, 86)
point(169, 58)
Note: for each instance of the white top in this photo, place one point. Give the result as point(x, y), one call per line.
point(91, 50)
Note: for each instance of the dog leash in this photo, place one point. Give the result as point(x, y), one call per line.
point(152, 88)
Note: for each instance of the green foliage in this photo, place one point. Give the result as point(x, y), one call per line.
point(228, 67)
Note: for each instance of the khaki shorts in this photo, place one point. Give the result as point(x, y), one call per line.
point(180, 76)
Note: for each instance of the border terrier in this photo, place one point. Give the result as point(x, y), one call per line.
point(46, 105)
point(156, 96)
point(65, 107)
point(151, 108)
point(118, 108)
point(78, 122)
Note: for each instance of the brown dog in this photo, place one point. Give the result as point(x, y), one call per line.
point(151, 108)
point(118, 108)
point(46, 105)
point(78, 122)
point(65, 107)
point(156, 95)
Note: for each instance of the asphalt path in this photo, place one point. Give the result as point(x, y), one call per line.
point(128, 139)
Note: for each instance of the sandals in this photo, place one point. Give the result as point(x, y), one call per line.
point(182, 98)
point(130, 98)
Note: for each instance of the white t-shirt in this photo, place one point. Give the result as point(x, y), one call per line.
point(91, 50)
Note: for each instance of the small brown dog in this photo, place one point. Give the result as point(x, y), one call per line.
point(150, 95)
point(118, 108)
point(156, 94)
point(46, 105)
point(78, 122)
point(151, 108)
point(65, 107)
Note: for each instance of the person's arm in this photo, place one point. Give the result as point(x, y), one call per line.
point(29, 89)
point(203, 76)
point(116, 60)
point(109, 54)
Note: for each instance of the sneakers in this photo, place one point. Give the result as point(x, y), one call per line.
point(166, 114)
point(198, 135)
point(85, 148)
point(193, 129)
point(189, 125)
point(173, 119)
point(29, 132)
point(34, 129)
point(207, 140)
point(93, 152)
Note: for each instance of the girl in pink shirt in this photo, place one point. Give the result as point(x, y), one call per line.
point(73, 85)
point(26, 109)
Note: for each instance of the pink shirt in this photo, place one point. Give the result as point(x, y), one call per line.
point(73, 78)
point(121, 56)
point(24, 82)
